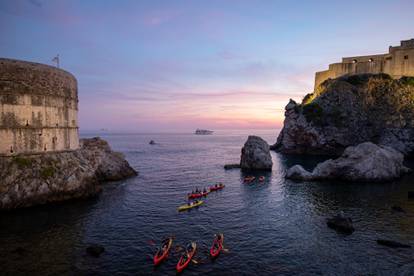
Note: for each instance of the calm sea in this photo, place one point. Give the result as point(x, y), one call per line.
point(274, 228)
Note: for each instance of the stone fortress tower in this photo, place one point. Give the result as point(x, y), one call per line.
point(398, 62)
point(38, 108)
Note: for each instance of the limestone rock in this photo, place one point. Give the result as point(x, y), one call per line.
point(341, 224)
point(95, 250)
point(393, 244)
point(231, 166)
point(28, 180)
point(255, 155)
point(365, 162)
point(348, 111)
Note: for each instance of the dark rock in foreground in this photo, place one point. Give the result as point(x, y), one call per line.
point(231, 166)
point(393, 244)
point(365, 162)
point(410, 195)
point(95, 250)
point(28, 180)
point(397, 208)
point(255, 155)
point(348, 111)
point(341, 224)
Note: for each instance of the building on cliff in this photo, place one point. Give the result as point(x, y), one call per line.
point(38, 108)
point(398, 62)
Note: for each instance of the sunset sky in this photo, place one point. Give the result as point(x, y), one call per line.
point(150, 66)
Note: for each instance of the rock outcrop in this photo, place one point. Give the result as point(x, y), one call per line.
point(255, 155)
point(348, 111)
point(365, 162)
point(28, 180)
point(341, 224)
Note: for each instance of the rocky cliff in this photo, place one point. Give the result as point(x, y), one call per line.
point(29, 180)
point(348, 111)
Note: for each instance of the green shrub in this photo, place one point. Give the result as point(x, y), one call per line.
point(407, 80)
point(47, 172)
point(22, 162)
point(360, 79)
point(308, 98)
point(313, 112)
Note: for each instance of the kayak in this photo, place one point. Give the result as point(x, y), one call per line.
point(217, 245)
point(162, 253)
point(186, 257)
point(262, 178)
point(197, 195)
point(249, 179)
point(217, 188)
point(192, 205)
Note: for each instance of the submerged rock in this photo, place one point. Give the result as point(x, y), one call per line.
point(341, 224)
point(348, 111)
point(397, 208)
point(29, 180)
point(231, 166)
point(365, 162)
point(95, 250)
point(393, 244)
point(255, 155)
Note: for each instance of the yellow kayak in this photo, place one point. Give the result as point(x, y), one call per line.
point(192, 205)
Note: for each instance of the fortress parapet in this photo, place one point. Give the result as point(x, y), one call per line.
point(38, 108)
point(398, 62)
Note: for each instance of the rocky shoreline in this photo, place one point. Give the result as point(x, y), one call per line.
point(29, 180)
point(348, 111)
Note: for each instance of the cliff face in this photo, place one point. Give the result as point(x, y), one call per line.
point(348, 111)
point(38, 179)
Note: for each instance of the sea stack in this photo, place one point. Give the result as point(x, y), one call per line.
point(255, 155)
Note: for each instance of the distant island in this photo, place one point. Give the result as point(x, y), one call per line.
point(203, 132)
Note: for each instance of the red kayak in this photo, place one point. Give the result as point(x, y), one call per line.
point(162, 253)
point(249, 179)
point(197, 195)
point(217, 245)
point(186, 257)
point(217, 188)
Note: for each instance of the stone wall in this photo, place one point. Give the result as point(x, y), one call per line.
point(397, 63)
point(38, 108)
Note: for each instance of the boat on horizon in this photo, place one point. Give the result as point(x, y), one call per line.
point(203, 132)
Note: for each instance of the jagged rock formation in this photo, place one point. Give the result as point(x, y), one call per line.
point(348, 111)
point(28, 180)
point(365, 162)
point(255, 155)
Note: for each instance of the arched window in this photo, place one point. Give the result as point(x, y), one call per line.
point(370, 60)
point(354, 61)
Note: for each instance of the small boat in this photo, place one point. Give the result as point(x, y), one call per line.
point(249, 179)
point(186, 257)
point(190, 205)
point(152, 142)
point(162, 253)
point(217, 245)
point(203, 132)
point(217, 187)
point(197, 195)
point(262, 178)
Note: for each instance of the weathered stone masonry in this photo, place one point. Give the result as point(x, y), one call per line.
point(397, 63)
point(38, 108)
